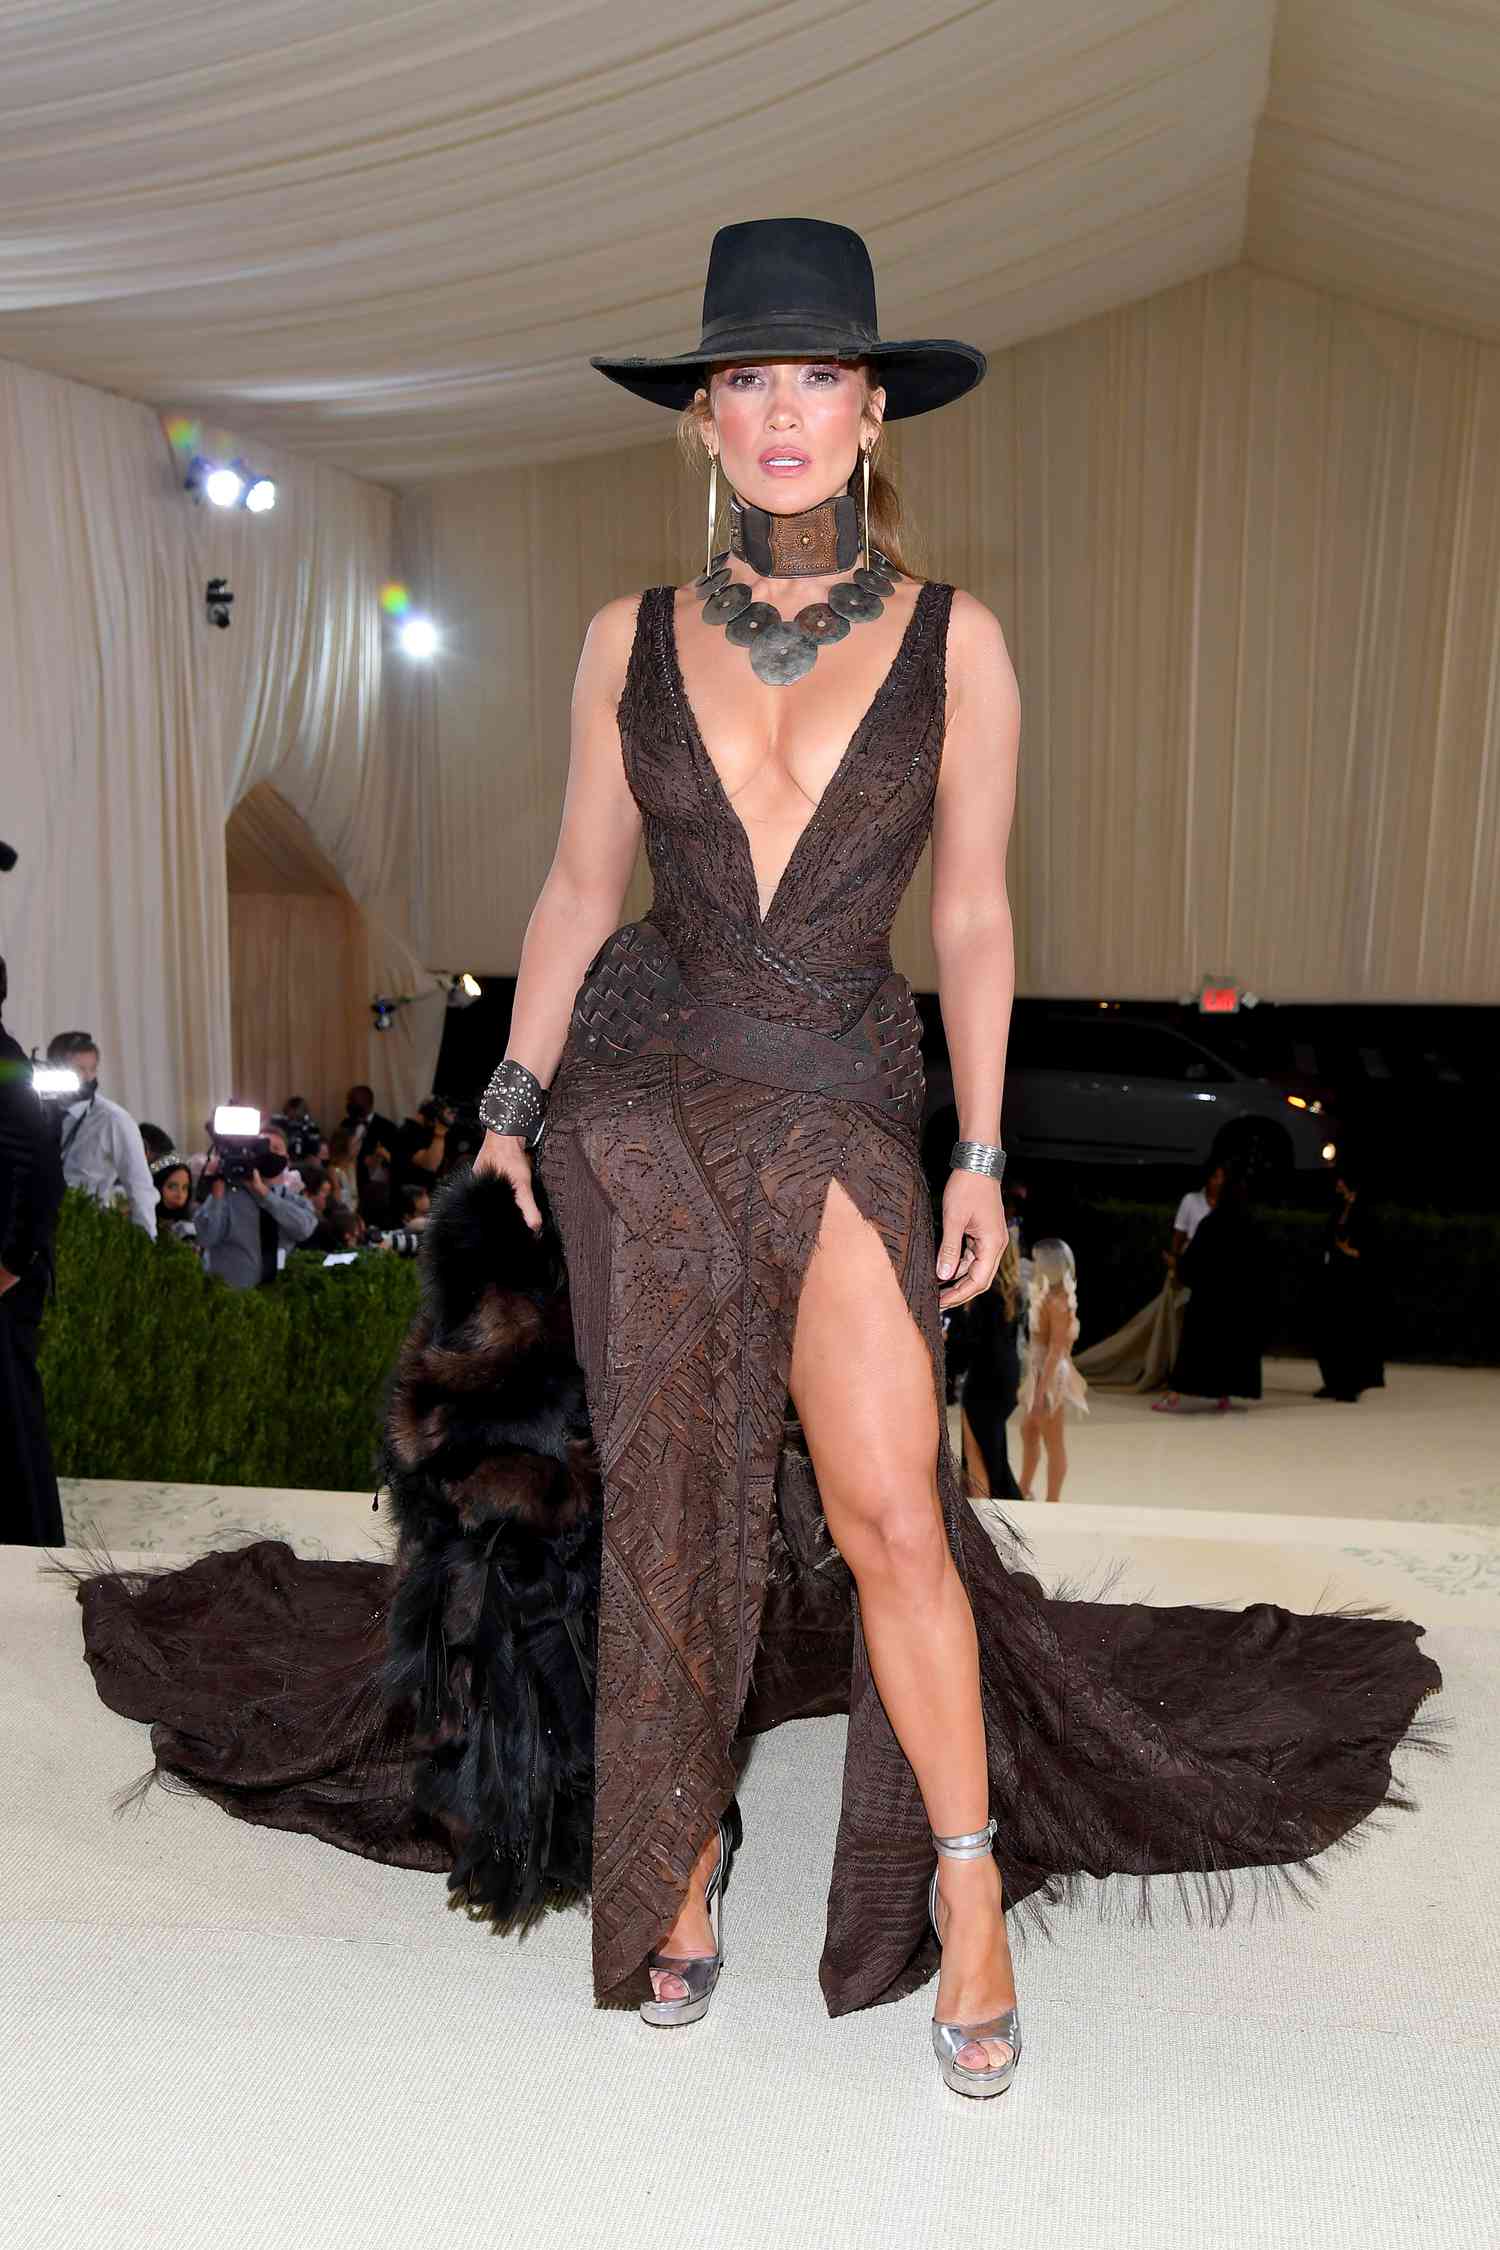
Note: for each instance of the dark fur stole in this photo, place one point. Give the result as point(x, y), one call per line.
point(493, 1620)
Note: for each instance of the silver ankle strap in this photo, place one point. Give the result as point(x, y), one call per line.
point(972, 1846)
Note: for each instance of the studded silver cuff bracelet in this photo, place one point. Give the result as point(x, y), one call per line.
point(978, 1156)
point(514, 1101)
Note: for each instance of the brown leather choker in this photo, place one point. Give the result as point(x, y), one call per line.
point(808, 545)
point(820, 539)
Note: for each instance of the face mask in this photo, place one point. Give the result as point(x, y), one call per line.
point(271, 1167)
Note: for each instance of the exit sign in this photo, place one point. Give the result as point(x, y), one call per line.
point(1219, 1000)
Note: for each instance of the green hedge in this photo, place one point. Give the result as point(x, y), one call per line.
point(1438, 1272)
point(155, 1370)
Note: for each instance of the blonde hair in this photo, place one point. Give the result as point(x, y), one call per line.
point(885, 501)
point(1052, 1267)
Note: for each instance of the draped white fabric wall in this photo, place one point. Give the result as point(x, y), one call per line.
point(133, 727)
point(1244, 540)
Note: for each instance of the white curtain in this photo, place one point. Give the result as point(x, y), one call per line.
point(1244, 542)
point(133, 727)
point(390, 237)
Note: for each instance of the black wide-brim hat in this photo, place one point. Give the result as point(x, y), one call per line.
point(800, 289)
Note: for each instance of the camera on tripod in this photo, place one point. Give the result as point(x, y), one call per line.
point(239, 1144)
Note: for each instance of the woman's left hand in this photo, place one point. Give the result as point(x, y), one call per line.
point(974, 1236)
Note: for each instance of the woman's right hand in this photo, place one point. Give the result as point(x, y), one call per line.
point(508, 1155)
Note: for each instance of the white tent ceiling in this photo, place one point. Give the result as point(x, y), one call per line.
point(390, 235)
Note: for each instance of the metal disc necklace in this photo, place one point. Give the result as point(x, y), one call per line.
point(819, 539)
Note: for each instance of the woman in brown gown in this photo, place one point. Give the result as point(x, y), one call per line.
point(691, 1200)
point(736, 1178)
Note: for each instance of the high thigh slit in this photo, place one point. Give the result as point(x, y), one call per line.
point(687, 1368)
point(1225, 1747)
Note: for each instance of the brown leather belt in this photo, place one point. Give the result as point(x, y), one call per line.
point(632, 1001)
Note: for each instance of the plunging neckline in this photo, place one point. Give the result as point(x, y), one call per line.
point(716, 783)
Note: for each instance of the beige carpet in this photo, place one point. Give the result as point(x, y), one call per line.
point(1426, 1448)
point(222, 2035)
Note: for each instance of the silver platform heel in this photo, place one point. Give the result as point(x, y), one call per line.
point(948, 2039)
point(699, 1971)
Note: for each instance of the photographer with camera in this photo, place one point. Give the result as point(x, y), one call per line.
point(248, 1221)
point(422, 1144)
point(405, 1238)
point(299, 1128)
point(102, 1149)
point(320, 1194)
point(414, 1206)
point(372, 1137)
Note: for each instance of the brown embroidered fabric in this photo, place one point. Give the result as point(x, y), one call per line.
point(689, 1202)
point(710, 1189)
point(1121, 1738)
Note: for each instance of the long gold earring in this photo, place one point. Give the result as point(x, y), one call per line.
point(713, 508)
point(866, 452)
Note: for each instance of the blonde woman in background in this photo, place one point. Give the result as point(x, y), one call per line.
point(1049, 1380)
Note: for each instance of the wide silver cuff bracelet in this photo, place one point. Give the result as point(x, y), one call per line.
point(515, 1101)
point(978, 1156)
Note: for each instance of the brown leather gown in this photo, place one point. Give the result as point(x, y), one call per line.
point(1218, 1745)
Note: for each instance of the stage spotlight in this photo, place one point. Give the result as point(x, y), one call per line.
point(418, 636)
point(218, 597)
point(229, 484)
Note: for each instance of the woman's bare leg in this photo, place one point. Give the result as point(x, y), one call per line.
point(862, 1385)
point(1031, 1447)
point(1057, 1452)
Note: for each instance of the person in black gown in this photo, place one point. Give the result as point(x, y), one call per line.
point(1350, 1300)
point(1225, 1321)
point(986, 1345)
